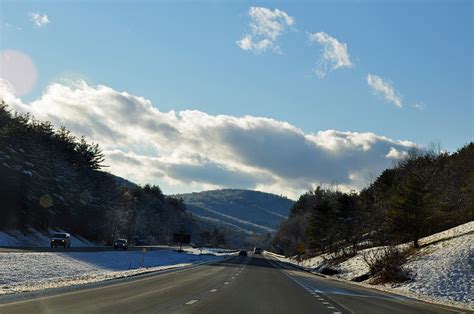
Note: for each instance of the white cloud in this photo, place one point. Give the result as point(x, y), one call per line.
point(420, 106)
point(39, 19)
point(265, 28)
point(8, 26)
point(385, 88)
point(393, 153)
point(192, 150)
point(334, 53)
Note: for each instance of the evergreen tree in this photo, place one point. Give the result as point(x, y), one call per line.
point(409, 213)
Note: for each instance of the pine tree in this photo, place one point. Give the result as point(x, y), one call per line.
point(409, 212)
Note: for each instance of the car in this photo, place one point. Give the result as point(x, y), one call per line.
point(257, 250)
point(121, 244)
point(137, 241)
point(242, 253)
point(61, 239)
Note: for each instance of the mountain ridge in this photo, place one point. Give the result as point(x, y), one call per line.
point(253, 211)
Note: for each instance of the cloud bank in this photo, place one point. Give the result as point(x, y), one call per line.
point(384, 88)
point(265, 27)
point(192, 150)
point(334, 53)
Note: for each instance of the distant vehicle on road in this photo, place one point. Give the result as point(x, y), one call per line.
point(257, 250)
point(243, 253)
point(138, 241)
point(61, 239)
point(121, 244)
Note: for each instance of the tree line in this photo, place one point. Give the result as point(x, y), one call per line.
point(50, 178)
point(425, 193)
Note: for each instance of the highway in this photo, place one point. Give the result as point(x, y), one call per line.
point(239, 284)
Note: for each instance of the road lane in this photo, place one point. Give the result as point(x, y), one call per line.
point(160, 293)
point(358, 299)
point(236, 285)
point(260, 288)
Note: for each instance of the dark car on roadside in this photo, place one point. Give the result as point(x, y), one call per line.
point(242, 253)
point(137, 241)
point(121, 244)
point(61, 239)
point(257, 250)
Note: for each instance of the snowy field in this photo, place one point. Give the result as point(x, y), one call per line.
point(442, 269)
point(20, 272)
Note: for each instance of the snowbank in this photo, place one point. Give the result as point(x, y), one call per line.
point(21, 272)
point(442, 269)
point(34, 238)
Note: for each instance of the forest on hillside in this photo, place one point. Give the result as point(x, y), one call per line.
point(425, 193)
point(49, 178)
point(250, 210)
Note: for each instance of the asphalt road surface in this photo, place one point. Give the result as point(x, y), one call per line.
point(237, 285)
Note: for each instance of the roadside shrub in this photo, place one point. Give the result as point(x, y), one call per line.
point(386, 266)
point(341, 256)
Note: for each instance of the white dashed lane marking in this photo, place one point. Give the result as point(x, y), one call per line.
point(313, 292)
point(213, 290)
point(226, 283)
point(191, 302)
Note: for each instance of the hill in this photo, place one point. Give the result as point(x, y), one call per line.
point(247, 210)
point(427, 192)
point(51, 179)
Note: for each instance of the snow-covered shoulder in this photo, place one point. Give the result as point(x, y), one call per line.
point(20, 272)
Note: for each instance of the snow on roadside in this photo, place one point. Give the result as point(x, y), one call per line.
point(21, 272)
point(442, 269)
point(212, 251)
point(34, 238)
point(309, 264)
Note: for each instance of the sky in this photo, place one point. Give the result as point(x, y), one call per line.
point(276, 96)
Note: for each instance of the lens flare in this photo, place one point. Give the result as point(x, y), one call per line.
point(18, 69)
point(46, 201)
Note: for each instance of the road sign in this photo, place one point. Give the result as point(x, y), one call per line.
point(182, 238)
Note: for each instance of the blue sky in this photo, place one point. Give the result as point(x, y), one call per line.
point(183, 55)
